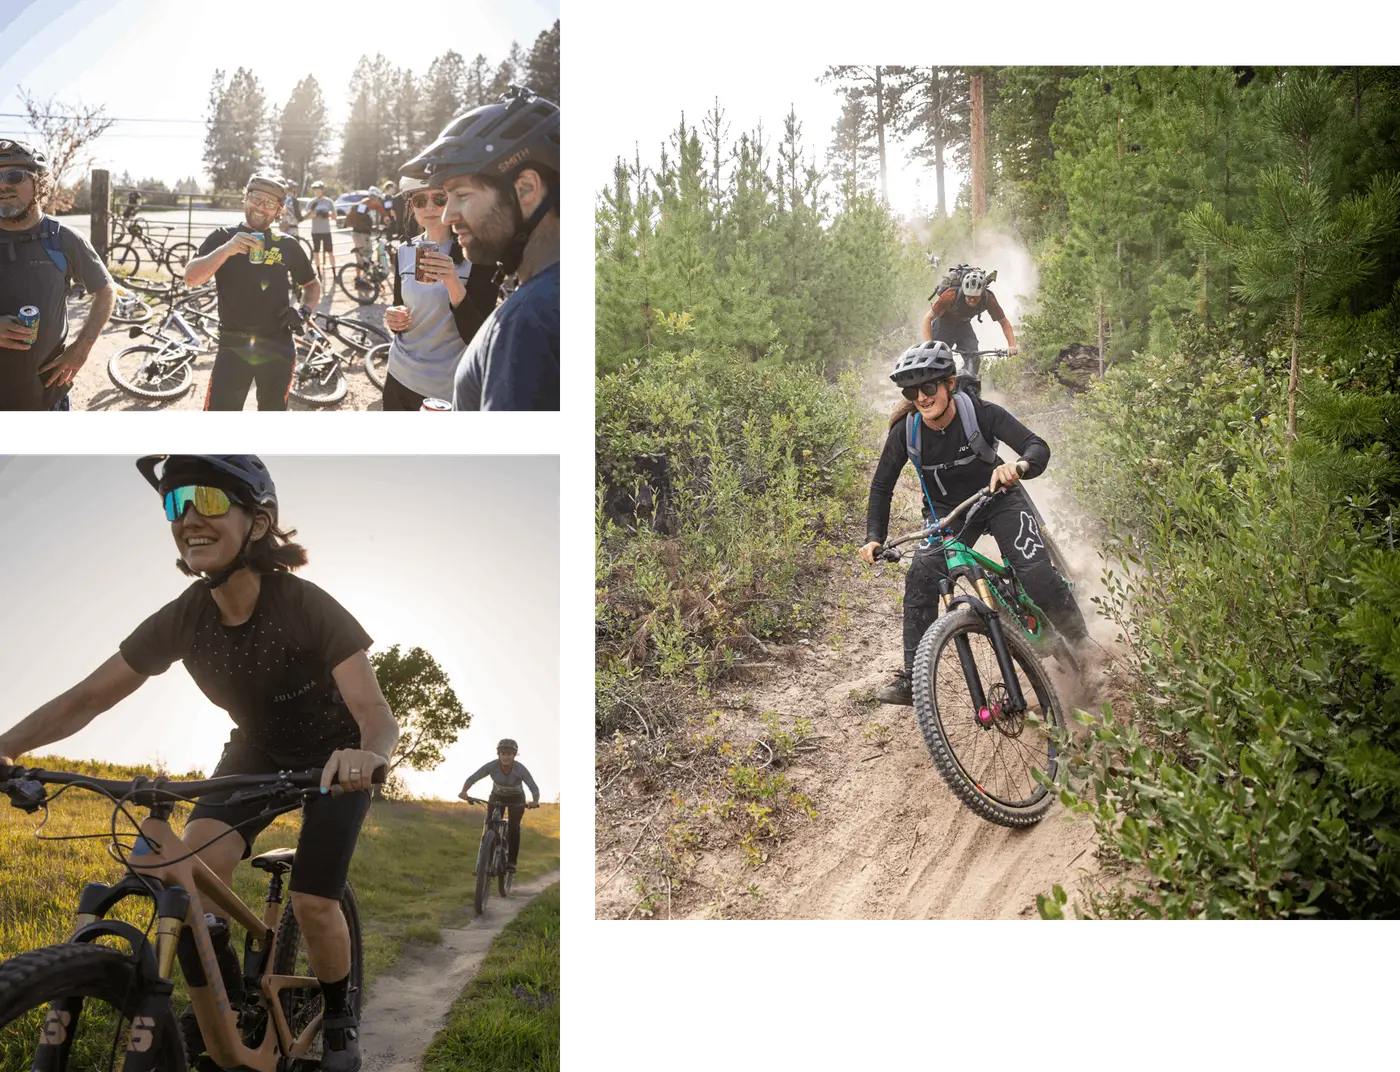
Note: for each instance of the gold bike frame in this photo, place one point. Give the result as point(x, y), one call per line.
point(217, 1023)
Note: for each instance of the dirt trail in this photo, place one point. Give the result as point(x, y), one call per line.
point(408, 1005)
point(890, 840)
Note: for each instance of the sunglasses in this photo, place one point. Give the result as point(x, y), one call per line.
point(207, 502)
point(421, 200)
point(258, 201)
point(15, 177)
point(926, 389)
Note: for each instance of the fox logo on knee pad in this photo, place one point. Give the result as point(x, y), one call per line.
point(1028, 540)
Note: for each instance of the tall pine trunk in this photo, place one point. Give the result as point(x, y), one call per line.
point(936, 98)
point(880, 129)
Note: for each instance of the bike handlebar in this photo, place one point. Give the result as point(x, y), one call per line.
point(887, 551)
point(25, 785)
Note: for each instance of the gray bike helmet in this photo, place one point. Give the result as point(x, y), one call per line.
point(924, 363)
point(974, 283)
point(18, 154)
point(507, 744)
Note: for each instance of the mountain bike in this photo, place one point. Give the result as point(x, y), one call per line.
point(125, 259)
point(985, 704)
point(362, 340)
point(72, 1006)
point(492, 857)
point(318, 376)
point(971, 360)
point(305, 243)
point(373, 272)
point(162, 369)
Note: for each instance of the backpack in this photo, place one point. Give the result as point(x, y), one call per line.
point(954, 278)
point(50, 238)
point(982, 448)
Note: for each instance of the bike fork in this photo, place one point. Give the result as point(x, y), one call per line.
point(1009, 676)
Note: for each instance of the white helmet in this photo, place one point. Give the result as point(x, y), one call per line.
point(974, 283)
point(375, 191)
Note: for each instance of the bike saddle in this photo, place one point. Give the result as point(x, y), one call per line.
point(274, 861)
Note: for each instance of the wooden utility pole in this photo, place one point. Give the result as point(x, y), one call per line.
point(100, 213)
point(979, 160)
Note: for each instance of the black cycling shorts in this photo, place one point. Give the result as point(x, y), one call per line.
point(321, 242)
point(330, 826)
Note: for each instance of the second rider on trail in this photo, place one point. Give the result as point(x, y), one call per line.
point(950, 317)
point(951, 469)
point(508, 781)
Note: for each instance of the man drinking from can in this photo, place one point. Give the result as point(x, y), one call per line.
point(250, 265)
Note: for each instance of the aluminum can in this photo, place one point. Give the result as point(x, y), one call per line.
point(256, 256)
point(29, 317)
point(418, 252)
point(435, 405)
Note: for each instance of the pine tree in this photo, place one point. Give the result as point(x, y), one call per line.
point(1304, 248)
point(302, 134)
point(543, 66)
point(236, 130)
point(511, 70)
point(932, 108)
point(359, 148)
point(478, 81)
point(874, 86)
point(445, 92)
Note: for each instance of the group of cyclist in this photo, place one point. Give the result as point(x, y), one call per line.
point(481, 201)
point(936, 430)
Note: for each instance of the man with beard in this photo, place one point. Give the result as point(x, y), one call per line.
point(38, 258)
point(250, 265)
point(499, 166)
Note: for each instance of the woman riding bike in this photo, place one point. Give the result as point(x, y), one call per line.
point(506, 789)
point(950, 470)
point(291, 667)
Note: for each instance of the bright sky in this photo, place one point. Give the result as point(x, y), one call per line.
point(687, 82)
point(154, 59)
point(456, 554)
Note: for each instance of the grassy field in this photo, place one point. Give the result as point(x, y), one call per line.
point(411, 872)
point(508, 1016)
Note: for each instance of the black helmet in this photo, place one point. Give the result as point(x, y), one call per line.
point(923, 363)
point(499, 142)
point(507, 744)
point(18, 154)
point(496, 140)
point(243, 476)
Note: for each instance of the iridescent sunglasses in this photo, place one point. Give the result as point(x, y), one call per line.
point(207, 502)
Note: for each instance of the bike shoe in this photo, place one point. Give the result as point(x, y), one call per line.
point(340, 1044)
point(897, 692)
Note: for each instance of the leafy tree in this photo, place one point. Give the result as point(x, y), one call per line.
point(64, 132)
point(429, 714)
point(1304, 247)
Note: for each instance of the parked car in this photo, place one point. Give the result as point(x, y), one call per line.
point(346, 201)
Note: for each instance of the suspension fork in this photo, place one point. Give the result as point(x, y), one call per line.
point(998, 644)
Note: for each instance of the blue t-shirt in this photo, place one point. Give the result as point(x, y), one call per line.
point(513, 362)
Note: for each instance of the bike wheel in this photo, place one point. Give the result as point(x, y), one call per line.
point(987, 764)
point(502, 871)
point(300, 1007)
point(130, 309)
point(320, 382)
point(150, 372)
point(102, 982)
point(377, 364)
point(124, 260)
point(179, 255)
point(365, 292)
point(483, 873)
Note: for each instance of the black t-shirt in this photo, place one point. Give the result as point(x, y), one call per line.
point(253, 297)
point(272, 674)
point(944, 446)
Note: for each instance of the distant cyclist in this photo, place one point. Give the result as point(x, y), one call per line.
point(499, 165)
point(290, 220)
point(322, 213)
point(507, 790)
point(133, 205)
point(362, 219)
point(950, 317)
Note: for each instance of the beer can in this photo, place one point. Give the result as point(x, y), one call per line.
point(257, 254)
point(418, 252)
point(435, 405)
point(29, 317)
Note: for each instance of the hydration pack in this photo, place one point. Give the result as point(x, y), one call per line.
point(982, 448)
point(49, 238)
point(954, 278)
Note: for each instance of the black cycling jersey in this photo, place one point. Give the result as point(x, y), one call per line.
point(254, 297)
point(272, 673)
point(941, 447)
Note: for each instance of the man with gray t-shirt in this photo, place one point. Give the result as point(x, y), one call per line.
point(508, 781)
point(322, 213)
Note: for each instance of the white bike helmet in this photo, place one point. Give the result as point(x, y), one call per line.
point(974, 283)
